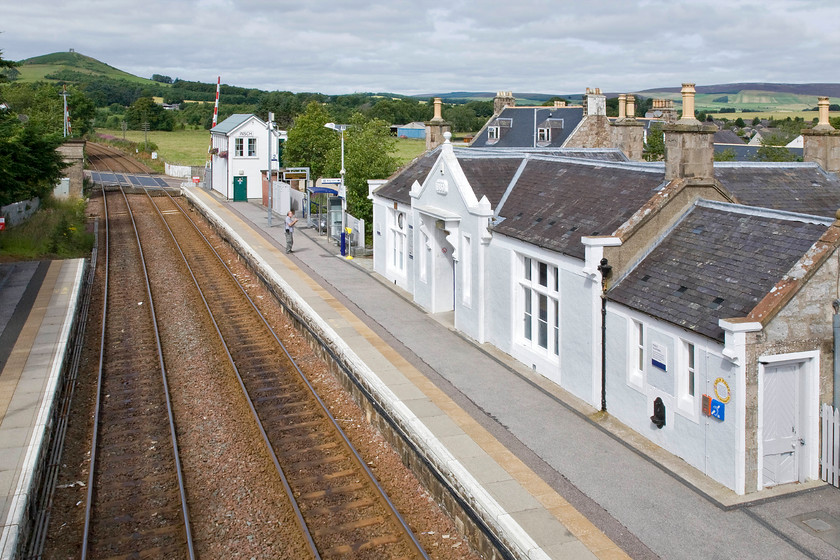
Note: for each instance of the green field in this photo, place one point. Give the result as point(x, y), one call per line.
point(766, 102)
point(807, 116)
point(179, 147)
point(189, 147)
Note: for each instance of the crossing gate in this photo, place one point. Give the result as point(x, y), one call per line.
point(830, 445)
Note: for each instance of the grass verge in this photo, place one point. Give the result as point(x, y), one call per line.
point(58, 231)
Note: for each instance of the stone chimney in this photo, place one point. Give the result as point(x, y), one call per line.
point(503, 99)
point(821, 144)
point(628, 133)
point(689, 144)
point(436, 127)
point(631, 106)
point(595, 103)
point(559, 104)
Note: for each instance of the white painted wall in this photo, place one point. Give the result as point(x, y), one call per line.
point(707, 444)
point(252, 167)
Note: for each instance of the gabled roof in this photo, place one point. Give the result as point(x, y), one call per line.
point(727, 137)
point(718, 262)
point(518, 126)
point(795, 187)
point(556, 202)
point(232, 122)
point(398, 187)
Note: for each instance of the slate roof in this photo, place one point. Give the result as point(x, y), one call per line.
point(490, 176)
point(521, 130)
point(803, 187)
point(398, 187)
point(718, 262)
point(231, 123)
point(727, 137)
point(556, 202)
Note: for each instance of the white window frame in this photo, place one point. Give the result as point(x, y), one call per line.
point(543, 135)
point(239, 147)
point(637, 344)
point(492, 132)
point(398, 241)
point(531, 294)
point(252, 147)
point(688, 405)
point(425, 251)
point(466, 270)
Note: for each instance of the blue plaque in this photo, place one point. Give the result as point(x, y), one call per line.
point(717, 410)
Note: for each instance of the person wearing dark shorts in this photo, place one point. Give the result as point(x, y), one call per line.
point(290, 230)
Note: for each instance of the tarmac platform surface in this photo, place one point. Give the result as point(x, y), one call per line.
point(38, 304)
point(562, 479)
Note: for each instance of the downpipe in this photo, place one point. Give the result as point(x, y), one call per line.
point(836, 331)
point(606, 269)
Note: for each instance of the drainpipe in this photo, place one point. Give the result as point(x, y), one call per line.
point(605, 269)
point(836, 325)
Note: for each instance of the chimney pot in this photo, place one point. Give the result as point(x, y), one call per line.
point(822, 106)
point(688, 92)
point(631, 106)
point(622, 98)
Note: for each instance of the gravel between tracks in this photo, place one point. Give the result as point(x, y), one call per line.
point(237, 504)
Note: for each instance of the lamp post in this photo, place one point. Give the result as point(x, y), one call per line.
point(270, 185)
point(340, 128)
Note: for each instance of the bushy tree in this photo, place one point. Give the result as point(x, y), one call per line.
point(30, 166)
point(145, 110)
point(309, 143)
point(41, 102)
point(725, 155)
point(368, 154)
point(739, 122)
point(770, 152)
point(655, 145)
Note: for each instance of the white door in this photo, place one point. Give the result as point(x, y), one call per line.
point(781, 424)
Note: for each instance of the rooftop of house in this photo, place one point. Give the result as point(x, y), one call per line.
point(518, 127)
point(795, 187)
point(556, 201)
point(717, 262)
point(231, 123)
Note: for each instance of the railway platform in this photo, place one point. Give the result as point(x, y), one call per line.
point(531, 517)
point(555, 477)
point(38, 307)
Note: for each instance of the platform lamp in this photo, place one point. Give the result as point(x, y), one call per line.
point(340, 128)
point(270, 185)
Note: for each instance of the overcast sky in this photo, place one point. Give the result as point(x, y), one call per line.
point(414, 47)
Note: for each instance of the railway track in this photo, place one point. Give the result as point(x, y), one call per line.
point(104, 158)
point(136, 500)
point(340, 507)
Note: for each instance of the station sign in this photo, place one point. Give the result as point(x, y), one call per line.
point(331, 181)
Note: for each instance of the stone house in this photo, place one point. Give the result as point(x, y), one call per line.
point(691, 300)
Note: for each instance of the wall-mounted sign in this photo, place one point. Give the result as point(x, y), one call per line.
point(714, 408)
point(722, 391)
point(659, 356)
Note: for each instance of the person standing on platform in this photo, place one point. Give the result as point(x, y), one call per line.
point(290, 230)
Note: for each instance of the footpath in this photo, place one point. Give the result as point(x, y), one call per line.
point(558, 476)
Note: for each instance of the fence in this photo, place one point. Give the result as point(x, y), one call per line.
point(830, 448)
point(184, 171)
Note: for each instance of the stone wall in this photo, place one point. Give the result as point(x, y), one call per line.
point(73, 152)
point(594, 131)
point(804, 324)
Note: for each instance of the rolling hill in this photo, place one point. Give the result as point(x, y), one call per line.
point(67, 64)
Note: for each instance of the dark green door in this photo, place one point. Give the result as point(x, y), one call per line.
point(240, 188)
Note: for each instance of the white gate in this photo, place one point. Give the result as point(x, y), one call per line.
point(830, 445)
